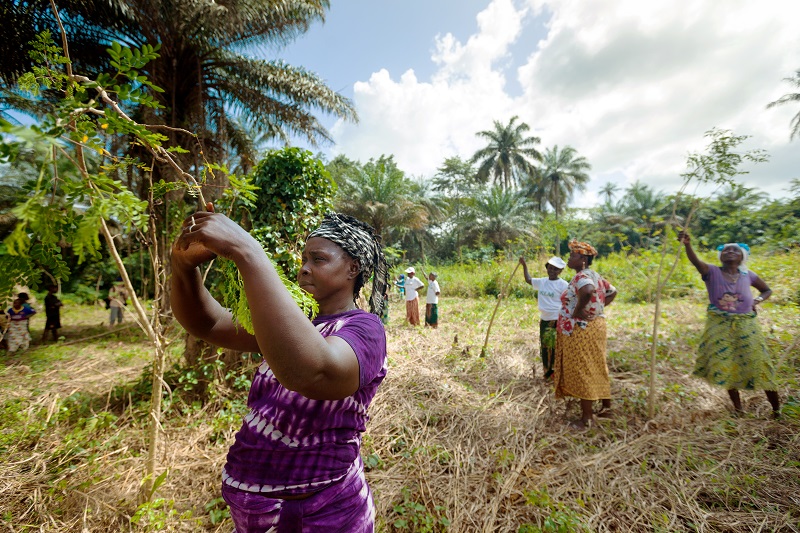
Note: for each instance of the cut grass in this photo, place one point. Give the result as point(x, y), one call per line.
point(456, 442)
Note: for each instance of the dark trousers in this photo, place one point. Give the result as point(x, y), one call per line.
point(547, 345)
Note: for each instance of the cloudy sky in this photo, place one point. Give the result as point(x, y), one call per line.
point(631, 85)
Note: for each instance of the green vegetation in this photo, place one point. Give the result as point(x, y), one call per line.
point(120, 155)
point(632, 273)
point(454, 439)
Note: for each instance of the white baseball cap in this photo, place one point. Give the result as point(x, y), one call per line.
point(410, 270)
point(556, 262)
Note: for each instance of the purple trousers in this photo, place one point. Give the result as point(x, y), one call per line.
point(345, 507)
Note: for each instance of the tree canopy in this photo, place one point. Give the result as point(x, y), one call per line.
point(791, 98)
point(508, 158)
point(212, 85)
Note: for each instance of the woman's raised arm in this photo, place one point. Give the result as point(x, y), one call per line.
point(701, 267)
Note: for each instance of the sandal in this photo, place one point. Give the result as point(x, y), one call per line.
point(605, 412)
point(580, 425)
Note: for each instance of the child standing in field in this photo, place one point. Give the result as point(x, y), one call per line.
point(401, 287)
point(18, 335)
point(52, 310)
point(549, 300)
point(116, 301)
point(432, 302)
point(411, 286)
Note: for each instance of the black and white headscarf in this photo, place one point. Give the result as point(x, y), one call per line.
point(358, 239)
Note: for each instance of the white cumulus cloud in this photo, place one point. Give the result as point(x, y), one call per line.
point(631, 85)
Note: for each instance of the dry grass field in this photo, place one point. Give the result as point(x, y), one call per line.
point(456, 442)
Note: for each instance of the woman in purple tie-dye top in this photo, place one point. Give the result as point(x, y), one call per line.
point(295, 464)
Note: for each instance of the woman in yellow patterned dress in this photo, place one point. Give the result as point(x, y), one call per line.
point(580, 368)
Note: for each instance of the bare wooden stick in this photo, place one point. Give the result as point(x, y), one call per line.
point(499, 299)
point(152, 330)
point(660, 284)
point(104, 334)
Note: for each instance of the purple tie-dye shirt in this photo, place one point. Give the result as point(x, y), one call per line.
point(733, 297)
point(289, 444)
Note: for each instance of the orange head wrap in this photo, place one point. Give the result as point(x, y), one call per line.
point(583, 248)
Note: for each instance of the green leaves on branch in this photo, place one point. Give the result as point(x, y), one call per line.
point(68, 209)
point(16, 270)
point(84, 116)
point(234, 298)
point(113, 123)
point(51, 224)
point(48, 58)
point(240, 188)
point(128, 61)
point(286, 196)
point(720, 163)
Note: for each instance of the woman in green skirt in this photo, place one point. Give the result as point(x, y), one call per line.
point(733, 353)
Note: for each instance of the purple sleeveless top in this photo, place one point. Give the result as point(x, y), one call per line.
point(289, 444)
point(733, 297)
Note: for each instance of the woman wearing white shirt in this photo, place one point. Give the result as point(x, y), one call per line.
point(432, 302)
point(549, 299)
point(412, 285)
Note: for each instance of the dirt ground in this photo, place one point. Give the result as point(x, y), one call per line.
point(456, 442)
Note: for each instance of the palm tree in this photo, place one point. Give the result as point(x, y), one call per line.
point(498, 215)
point(646, 208)
point(791, 98)
point(609, 190)
point(508, 158)
point(209, 81)
point(378, 193)
point(563, 172)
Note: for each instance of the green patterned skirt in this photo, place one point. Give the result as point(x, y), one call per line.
point(733, 353)
point(432, 314)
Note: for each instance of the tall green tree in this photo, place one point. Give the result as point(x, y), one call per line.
point(789, 99)
point(455, 181)
point(293, 193)
point(609, 191)
point(378, 193)
point(212, 85)
point(563, 172)
point(498, 216)
point(455, 178)
point(422, 238)
point(508, 158)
